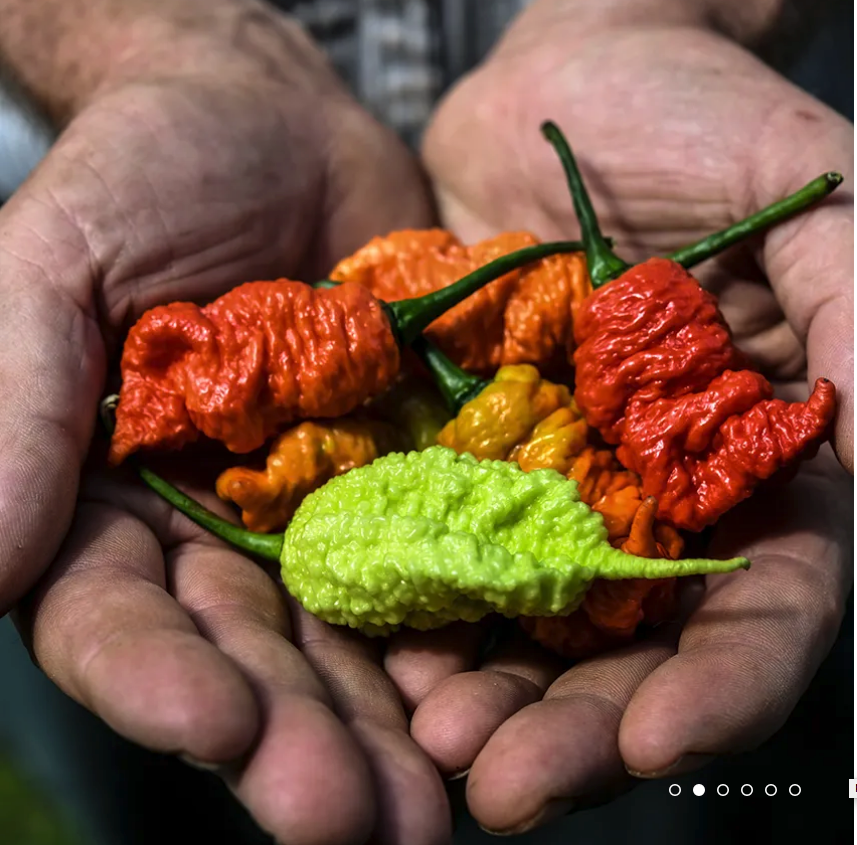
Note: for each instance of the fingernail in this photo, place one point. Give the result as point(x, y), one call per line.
point(199, 764)
point(686, 763)
point(552, 810)
point(459, 775)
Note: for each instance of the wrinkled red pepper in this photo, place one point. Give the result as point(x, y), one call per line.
point(657, 373)
point(269, 353)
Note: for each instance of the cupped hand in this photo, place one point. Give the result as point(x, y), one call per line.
point(187, 647)
point(679, 132)
point(180, 183)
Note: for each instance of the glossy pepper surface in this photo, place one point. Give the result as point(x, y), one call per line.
point(657, 373)
point(523, 418)
point(269, 353)
point(430, 537)
point(523, 317)
point(306, 456)
point(300, 461)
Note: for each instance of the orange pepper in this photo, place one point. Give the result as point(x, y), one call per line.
point(522, 317)
point(310, 454)
point(302, 460)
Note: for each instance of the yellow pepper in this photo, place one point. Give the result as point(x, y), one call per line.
point(504, 413)
point(524, 418)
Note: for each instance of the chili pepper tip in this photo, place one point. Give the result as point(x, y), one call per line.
point(771, 215)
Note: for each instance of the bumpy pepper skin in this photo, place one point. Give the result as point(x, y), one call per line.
point(300, 461)
point(546, 430)
point(431, 537)
point(259, 357)
point(612, 610)
point(658, 374)
point(523, 317)
point(408, 416)
point(504, 413)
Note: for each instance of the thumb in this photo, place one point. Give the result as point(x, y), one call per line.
point(810, 260)
point(52, 364)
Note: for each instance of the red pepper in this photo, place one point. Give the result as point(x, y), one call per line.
point(269, 353)
point(658, 374)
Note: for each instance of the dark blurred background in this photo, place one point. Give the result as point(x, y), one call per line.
point(65, 779)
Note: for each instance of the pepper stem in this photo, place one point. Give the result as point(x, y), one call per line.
point(456, 386)
point(268, 546)
point(410, 316)
point(603, 264)
point(777, 212)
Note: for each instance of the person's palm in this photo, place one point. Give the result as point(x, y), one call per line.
point(180, 189)
point(679, 133)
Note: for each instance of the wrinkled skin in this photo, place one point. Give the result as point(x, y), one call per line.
point(95, 238)
point(702, 135)
point(180, 187)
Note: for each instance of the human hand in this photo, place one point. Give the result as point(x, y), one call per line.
point(217, 158)
point(679, 133)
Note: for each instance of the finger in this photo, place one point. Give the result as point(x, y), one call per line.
point(305, 780)
point(759, 327)
point(754, 643)
point(417, 661)
point(809, 260)
point(456, 720)
point(412, 804)
point(51, 371)
point(561, 753)
point(103, 628)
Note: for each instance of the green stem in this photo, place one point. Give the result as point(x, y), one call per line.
point(456, 386)
point(603, 264)
point(777, 212)
point(410, 316)
point(268, 546)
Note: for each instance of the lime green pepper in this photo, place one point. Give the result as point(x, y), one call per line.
point(431, 537)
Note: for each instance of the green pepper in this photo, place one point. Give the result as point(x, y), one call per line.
point(431, 537)
point(414, 407)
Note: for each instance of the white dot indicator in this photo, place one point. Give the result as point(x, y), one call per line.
point(723, 787)
point(698, 789)
point(794, 790)
point(773, 789)
point(675, 789)
point(746, 789)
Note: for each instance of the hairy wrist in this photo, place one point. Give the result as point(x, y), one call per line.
point(64, 53)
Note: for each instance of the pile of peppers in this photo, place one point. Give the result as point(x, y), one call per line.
point(465, 482)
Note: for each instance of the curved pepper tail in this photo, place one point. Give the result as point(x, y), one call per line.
point(615, 564)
